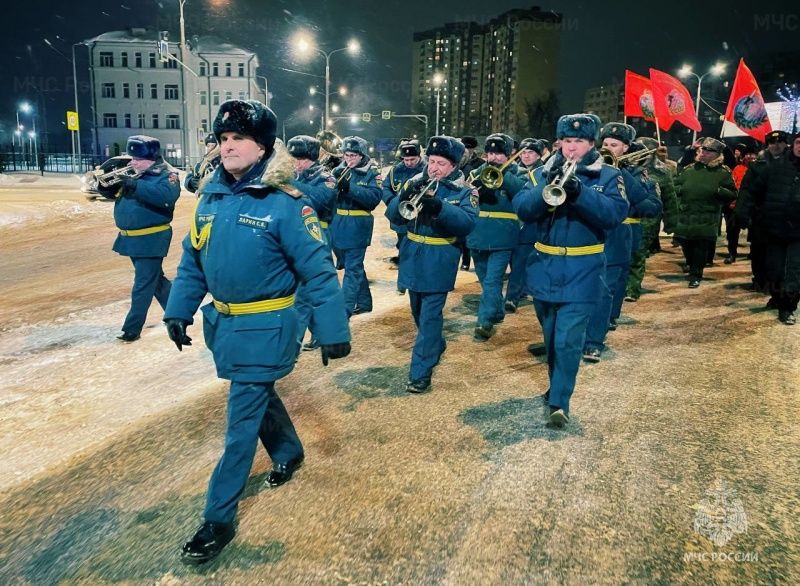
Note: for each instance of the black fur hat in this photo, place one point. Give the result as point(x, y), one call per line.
point(355, 144)
point(531, 144)
point(210, 139)
point(248, 118)
point(776, 136)
point(303, 147)
point(499, 143)
point(447, 147)
point(469, 142)
point(410, 148)
point(618, 131)
point(143, 147)
point(583, 126)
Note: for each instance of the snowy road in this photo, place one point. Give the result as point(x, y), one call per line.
point(107, 448)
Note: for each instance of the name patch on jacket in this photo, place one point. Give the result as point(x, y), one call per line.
point(205, 218)
point(260, 223)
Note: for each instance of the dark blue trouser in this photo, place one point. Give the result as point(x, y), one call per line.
point(564, 328)
point(148, 282)
point(427, 310)
point(518, 279)
point(622, 285)
point(615, 278)
point(490, 266)
point(354, 283)
point(254, 412)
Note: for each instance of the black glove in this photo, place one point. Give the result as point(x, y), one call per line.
point(487, 196)
point(109, 192)
point(193, 183)
point(127, 185)
point(431, 205)
point(344, 187)
point(176, 328)
point(572, 187)
point(333, 351)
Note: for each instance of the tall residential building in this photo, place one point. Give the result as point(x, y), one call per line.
point(485, 76)
point(134, 92)
point(607, 102)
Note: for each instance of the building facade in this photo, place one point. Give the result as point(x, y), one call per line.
point(486, 76)
point(607, 102)
point(134, 91)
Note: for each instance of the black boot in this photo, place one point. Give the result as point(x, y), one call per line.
point(207, 543)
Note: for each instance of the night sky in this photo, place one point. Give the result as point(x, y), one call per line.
point(598, 44)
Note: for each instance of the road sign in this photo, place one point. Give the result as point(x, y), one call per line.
point(163, 50)
point(386, 114)
point(72, 120)
point(366, 117)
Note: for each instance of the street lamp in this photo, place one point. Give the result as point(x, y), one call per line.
point(28, 109)
point(266, 90)
point(437, 82)
point(686, 71)
point(303, 45)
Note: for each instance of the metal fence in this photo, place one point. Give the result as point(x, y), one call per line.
point(51, 162)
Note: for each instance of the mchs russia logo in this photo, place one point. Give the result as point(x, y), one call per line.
point(720, 515)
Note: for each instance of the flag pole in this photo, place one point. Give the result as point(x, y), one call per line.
point(658, 131)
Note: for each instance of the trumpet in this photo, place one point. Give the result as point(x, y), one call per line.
point(344, 177)
point(492, 177)
point(410, 209)
point(554, 194)
point(111, 178)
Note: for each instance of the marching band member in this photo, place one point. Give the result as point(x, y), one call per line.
point(206, 166)
point(531, 159)
point(565, 270)
point(351, 229)
point(496, 232)
point(143, 210)
point(265, 240)
point(319, 185)
point(411, 164)
point(617, 138)
point(444, 213)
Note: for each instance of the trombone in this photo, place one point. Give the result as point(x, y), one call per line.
point(492, 177)
point(116, 176)
point(410, 209)
point(554, 194)
point(635, 158)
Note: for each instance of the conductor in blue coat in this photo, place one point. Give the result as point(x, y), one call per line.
point(566, 267)
point(143, 209)
point(254, 238)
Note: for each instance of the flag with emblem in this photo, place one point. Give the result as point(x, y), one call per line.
point(746, 106)
point(638, 96)
point(672, 102)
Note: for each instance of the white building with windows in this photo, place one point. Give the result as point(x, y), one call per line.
point(134, 92)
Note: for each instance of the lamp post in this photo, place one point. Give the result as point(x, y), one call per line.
point(185, 132)
point(75, 89)
point(352, 46)
point(437, 82)
point(266, 90)
point(33, 148)
point(685, 71)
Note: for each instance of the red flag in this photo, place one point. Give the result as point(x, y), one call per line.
point(746, 106)
point(638, 96)
point(673, 102)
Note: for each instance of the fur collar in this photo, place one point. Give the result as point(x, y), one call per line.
point(589, 166)
point(280, 168)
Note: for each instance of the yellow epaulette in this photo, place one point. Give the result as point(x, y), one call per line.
point(292, 191)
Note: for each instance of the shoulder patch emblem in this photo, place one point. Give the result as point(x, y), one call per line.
point(645, 177)
point(312, 227)
point(379, 180)
point(621, 186)
point(330, 181)
point(307, 211)
point(173, 178)
point(474, 198)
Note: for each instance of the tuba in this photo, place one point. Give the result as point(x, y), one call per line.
point(205, 165)
point(553, 193)
point(330, 149)
point(409, 209)
point(492, 177)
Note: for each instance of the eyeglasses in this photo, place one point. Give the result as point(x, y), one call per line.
point(708, 150)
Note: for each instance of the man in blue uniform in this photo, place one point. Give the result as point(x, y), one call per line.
point(143, 210)
point(316, 182)
point(205, 167)
point(430, 254)
point(411, 164)
point(617, 138)
point(565, 270)
point(351, 229)
point(531, 159)
point(496, 232)
point(265, 240)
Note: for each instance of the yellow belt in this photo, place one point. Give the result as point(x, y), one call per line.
point(254, 306)
point(323, 224)
point(429, 239)
point(569, 250)
point(352, 213)
point(145, 231)
point(632, 221)
point(501, 215)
